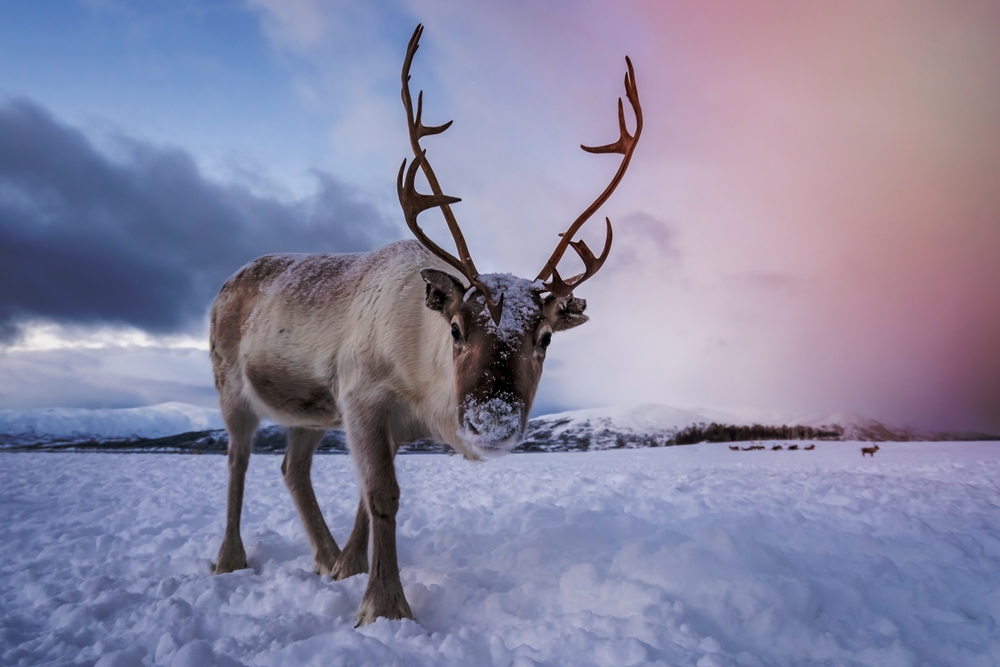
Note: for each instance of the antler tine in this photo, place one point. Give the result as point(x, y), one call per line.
point(591, 265)
point(625, 140)
point(423, 130)
point(624, 146)
point(415, 202)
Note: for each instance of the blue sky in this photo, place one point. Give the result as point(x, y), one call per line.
point(202, 76)
point(810, 223)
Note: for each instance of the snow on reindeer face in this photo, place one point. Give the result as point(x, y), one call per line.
point(498, 365)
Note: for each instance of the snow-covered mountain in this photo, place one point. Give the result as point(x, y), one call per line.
point(652, 425)
point(69, 425)
point(647, 425)
point(182, 427)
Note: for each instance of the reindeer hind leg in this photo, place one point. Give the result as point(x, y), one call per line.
point(241, 422)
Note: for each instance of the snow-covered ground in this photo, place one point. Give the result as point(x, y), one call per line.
point(692, 555)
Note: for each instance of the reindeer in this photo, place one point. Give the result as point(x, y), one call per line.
point(404, 342)
point(809, 448)
point(777, 448)
point(870, 451)
point(734, 448)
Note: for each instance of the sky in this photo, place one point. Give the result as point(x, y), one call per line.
point(810, 223)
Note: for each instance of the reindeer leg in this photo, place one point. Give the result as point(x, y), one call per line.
point(241, 424)
point(354, 558)
point(372, 449)
point(296, 469)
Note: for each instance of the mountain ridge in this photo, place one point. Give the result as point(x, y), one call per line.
point(178, 427)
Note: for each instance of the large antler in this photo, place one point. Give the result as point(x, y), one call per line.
point(414, 202)
point(625, 146)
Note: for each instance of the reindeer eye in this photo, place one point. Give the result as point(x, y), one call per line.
point(455, 333)
point(546, 339)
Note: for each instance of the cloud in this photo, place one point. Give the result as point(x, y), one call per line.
point(639, 239)
point(106, 377)
point(144, 239)
point(296, 24)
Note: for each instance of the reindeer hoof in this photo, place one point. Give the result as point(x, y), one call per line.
point(230, 559)
point(383, 602)
point(350, 563)
point(325, 564)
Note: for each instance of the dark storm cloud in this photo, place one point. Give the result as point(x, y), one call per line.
point(145, 240)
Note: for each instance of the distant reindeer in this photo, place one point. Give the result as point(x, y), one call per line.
point(776, 448)
point(735, 448)
point(809, 448)
point(792, 448)
point(869, 450)
point(745, 449)
point(392, 346)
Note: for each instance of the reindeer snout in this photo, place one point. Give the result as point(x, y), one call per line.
point(492, 427)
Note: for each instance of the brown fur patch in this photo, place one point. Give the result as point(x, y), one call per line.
point(232, 307)
point(318, 277)
point(287, 392)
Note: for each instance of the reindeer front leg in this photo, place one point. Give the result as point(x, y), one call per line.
point(296, 469)
point(372, 450)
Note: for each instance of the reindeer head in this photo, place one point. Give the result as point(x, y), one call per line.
point(498, 364)
point(500, 325)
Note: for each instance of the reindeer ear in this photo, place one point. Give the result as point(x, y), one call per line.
point(444, 291)
point(565, 313)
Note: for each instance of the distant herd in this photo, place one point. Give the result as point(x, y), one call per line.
point(870, 451)
point(775, 448)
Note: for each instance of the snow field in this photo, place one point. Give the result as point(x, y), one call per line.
point(679, 556)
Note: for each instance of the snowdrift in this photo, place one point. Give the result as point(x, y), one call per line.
point(695, 556)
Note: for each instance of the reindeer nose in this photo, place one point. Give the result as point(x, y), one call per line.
point(493, 425)
point(489, 427)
